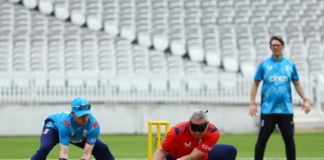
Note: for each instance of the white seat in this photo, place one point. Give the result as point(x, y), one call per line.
point(192, 67)
point(78, 16)
point(94, 22)
point(241, 21)
point(247, 67)
point(30, 4)
point(46, 6)
point(160, 41)
point(111, 26)
point(144, 38)
point(195, 50)
point(258, 21)
point(213, 57)
point(14, 1)
point(177, 46)
point(127, 30)
point(62, 11)
point(230, 62)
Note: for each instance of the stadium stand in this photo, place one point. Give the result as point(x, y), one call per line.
point(148, 51)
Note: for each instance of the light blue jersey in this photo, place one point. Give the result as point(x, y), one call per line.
point(69, 131)
point(276, 88)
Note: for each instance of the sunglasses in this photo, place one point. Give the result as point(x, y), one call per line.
point(198, 127)
point(83, 107)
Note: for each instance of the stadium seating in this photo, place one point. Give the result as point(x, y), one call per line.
point(63, 39)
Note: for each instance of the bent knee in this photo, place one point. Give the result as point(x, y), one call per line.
point(45, 148)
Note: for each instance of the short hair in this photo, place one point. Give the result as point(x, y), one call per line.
point(198, 115)
point(278, 38)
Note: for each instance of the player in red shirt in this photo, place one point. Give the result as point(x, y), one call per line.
point(194, 140)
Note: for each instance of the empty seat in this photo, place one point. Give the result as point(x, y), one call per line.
point(94, 22)
point(78, 16)
point(230, 61)
point(178, 46)
point(46, 6)
point(62, 10)
point(31, 4)
point(160, 41)
point(111, 26)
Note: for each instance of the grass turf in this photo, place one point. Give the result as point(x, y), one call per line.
point(135, 146)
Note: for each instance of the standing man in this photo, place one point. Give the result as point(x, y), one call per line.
point(77, 127)
point(194, 140)
point(276, 72)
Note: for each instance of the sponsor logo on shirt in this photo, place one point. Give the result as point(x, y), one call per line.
point(287, 68)
point(278, 78)
point(187, 145)
point(269, 67)
point(85, 133)
point(205, 146)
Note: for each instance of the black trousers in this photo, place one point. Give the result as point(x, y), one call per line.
point(266, 127)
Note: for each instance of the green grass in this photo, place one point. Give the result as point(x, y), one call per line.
point(135, 146)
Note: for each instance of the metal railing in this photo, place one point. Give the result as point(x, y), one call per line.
point(200, 89)
point(319, 94)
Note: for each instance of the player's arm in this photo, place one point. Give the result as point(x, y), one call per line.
point(160, 154)
point(254, 88)
point(91, 141)
point(64, 151)
point(64, 136)
point(87, 151)
point(300, 89)
point(301, 92)
point(194, 155)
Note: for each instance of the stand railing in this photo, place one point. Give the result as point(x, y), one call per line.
point(199, 89)
point(319, 89)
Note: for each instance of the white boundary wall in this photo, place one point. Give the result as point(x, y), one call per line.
point(126, 118)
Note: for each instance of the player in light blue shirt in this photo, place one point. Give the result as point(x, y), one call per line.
point(276, 89)
point(78, 127)
point(277, 73)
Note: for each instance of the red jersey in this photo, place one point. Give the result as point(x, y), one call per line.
point(179, 141)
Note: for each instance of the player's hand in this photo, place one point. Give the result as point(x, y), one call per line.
point(253, 110)
point(306, 107)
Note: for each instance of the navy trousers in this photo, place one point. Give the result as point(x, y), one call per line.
point(51, 138)
point(219, 152)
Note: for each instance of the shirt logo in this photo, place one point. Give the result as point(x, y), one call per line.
point(278, 78)
point(85, 133)
point(205, 146)
point(269, 67)
point(187, 145)
point(93, 139)
point(287, 68)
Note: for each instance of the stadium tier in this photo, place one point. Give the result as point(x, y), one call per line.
point(143, 50)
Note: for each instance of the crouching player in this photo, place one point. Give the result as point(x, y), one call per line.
point(194, 140)
point(77, 127)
